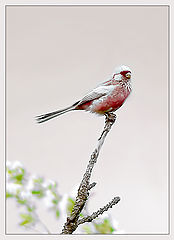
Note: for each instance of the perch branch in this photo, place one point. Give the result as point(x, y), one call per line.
point(83, 191)
point(99, 212)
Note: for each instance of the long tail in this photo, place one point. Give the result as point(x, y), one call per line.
point(47, 116)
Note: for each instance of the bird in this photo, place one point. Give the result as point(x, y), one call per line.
point(105, 98)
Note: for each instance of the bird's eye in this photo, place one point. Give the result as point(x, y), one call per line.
point(126, 74)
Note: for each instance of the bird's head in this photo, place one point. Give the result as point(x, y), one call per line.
point(122, 73)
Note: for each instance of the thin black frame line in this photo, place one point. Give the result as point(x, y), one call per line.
point(169, 215)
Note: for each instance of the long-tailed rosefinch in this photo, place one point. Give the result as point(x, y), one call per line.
point(106, 97)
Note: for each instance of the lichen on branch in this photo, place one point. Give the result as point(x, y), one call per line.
point(73, 220)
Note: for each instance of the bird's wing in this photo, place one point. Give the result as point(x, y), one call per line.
point(106, 83)
point(96, 93)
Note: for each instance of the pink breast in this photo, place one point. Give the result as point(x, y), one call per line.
point(113, 101)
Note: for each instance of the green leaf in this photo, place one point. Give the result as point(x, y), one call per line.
point(52, 187)
point(38, 180)
point(18, 177)
point(20, 201)
point(9, 171)
point(27, 219)
point(55, 201)
point(30, 209)
point(38, 193)
point(70, 205)
point(87, 229)
point(57, 213)
point(105, 227)
point(9, 195)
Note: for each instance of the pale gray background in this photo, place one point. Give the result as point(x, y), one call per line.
point(57, 54)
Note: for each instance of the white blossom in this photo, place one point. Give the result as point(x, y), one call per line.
point(13, 188)
point(25, 195)
point(115, 225)
point(48, 199)
point(30, 184)
point(16, 165)
point(63, 206)
point(49, 182)
point(8, 177)
point(8, 165)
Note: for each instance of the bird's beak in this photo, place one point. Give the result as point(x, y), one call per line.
point(128, 75)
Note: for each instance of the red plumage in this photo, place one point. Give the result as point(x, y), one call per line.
point(106, 97)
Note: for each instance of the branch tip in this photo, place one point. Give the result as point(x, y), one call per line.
point(90, 218)
point(91, 185)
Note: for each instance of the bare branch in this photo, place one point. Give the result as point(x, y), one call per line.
point(83, 191)
point(91, 185)
point(99, 212)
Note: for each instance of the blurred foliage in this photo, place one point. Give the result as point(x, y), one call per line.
point(26, 188)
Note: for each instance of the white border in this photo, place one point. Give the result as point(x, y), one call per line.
point(3, 3)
